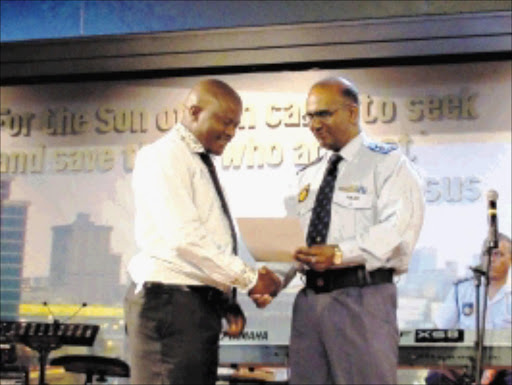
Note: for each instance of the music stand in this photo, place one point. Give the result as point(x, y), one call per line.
point(43, 346)
point(46, 337)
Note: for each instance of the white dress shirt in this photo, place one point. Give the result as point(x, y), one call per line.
point(377, 208)
point(180, 228)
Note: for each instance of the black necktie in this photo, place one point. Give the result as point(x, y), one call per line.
point(321, 216)
point(207, 160)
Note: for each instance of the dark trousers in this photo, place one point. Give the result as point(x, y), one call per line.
point(173, 335)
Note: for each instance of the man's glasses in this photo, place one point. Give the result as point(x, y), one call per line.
point(323, 114)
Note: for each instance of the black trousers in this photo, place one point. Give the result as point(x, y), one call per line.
point(173, 335)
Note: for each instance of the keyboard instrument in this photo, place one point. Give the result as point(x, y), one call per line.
point(425, 348)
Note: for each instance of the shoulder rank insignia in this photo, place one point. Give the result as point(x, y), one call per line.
point(467, 308)
point(381, 148)
point(310, 164)
point(304, 192)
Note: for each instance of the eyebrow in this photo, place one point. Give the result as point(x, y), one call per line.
point(317, 111)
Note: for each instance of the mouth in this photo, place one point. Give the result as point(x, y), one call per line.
point(223, 142)
point(322, 136)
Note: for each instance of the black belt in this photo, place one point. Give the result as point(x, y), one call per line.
point(332, 279)
point(208, 292)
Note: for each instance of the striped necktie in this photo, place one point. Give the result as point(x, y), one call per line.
point(207, 160)
point(321, 216)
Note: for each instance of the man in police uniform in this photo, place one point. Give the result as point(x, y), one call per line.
point(458, 310)
point(361, 207)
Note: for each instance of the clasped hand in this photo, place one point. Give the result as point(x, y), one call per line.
point(235, 319)
point(316, 257)
point(266, 288)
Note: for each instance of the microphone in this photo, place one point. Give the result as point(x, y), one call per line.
point(492, 238)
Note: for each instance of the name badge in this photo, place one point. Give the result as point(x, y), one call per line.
point(354, 200)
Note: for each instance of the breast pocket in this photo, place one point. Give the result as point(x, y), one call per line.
point(352, 212)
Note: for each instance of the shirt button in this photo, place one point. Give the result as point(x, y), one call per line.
point(318, 239)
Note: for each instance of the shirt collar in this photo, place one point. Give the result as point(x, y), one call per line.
point(188, 138)
point(350, 149)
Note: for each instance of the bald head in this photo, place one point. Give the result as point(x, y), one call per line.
point(340, 85)
point(212, 113)
point(211, 91)
point(332, 108)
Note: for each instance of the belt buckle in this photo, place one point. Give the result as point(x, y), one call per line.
point(363, 277)
point(323, 282)
point(317, 281)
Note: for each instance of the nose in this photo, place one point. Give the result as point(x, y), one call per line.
point(315, 124)
point(231, 131)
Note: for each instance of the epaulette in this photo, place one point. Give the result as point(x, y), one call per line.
point(381, 148)
point(317, 160)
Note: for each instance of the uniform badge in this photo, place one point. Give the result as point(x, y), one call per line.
point(467, 308)
point(353, 189)
point(304, 193)
point(382, 148)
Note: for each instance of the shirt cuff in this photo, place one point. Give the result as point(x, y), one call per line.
point(352, 254)
point(246, 279)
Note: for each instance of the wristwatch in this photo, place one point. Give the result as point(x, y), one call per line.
point(338, 255)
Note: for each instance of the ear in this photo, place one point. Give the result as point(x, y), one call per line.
point(354, 114)
point(194, 111)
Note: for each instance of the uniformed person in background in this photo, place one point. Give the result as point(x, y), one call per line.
point(361, 207)
point(458, 310)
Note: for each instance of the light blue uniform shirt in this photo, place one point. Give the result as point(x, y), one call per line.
point(458, 310)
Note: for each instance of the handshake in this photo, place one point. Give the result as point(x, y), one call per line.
point(266, 288)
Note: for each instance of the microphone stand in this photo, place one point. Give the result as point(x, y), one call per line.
point(478, 273)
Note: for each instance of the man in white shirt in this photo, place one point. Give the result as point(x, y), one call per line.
point(361, 207)
point(458, 310)
point(187, 263)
